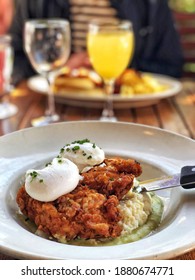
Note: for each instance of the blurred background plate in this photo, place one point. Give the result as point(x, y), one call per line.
point(76, 98)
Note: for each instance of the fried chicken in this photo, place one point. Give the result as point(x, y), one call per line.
point(83, 213)
point(114, 178)
point(91, 210)
point(127, 166)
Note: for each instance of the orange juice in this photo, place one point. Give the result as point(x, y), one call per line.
point(110, 52)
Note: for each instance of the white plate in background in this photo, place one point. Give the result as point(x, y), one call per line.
point(39, 84)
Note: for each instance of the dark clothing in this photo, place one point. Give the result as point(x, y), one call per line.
point(157, 45)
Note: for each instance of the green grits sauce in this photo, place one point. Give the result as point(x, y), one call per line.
point(151, 224)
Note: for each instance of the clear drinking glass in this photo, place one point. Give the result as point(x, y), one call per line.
point(110, 48)
point(47, 45)
point(7, 109)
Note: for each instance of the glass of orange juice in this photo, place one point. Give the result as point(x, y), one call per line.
point(110, 48)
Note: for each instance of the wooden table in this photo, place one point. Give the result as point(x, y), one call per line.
point(176, 114)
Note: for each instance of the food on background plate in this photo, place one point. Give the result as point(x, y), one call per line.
point(78, 81)
point(85, 81)
point(83, 198)
point(133, 82)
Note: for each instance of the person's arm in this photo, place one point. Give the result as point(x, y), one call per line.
point(25, 10)
point(6, 15)
point(78, 60)
point(22, 68)
point(163, 53)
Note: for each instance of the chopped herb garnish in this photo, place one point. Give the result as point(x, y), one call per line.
point(67, 149)
point(60, 161)
point(89, 157)
point(75, 148)
point(47, 164)
point(67, 145)
point(81, 141)
point(62, 150)
point(94, 145)
point(41, 181)
point(84, 154)
point(33, 175)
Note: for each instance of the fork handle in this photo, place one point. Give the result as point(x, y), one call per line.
point(187, 178)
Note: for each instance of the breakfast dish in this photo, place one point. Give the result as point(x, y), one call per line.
point(159, 153)
point(83, 198)
point(78, 81)
point(130, 83)
point(84, 88)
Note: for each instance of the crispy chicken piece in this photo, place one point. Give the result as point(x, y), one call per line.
point(83, 213)
point(91, 210)
point(115, 178)
point(129, 166)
